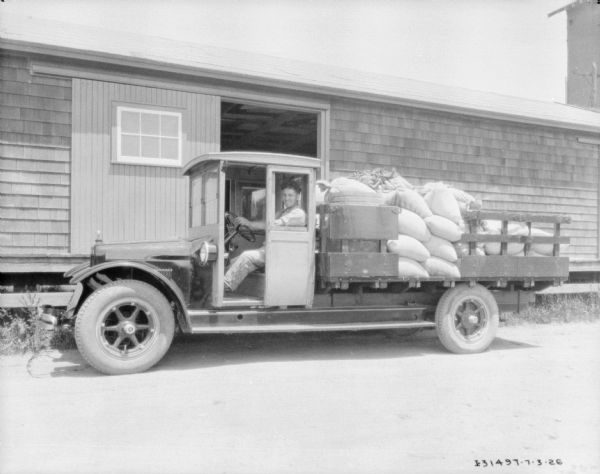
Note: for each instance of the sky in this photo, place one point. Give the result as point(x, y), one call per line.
point(504, 46)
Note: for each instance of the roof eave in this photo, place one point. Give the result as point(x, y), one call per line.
point(145, 63)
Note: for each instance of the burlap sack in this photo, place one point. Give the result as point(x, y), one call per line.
point(408, 268)
point(409, 247)
point(441, 268)
point(412, 224)
point(541, 249)
point(494, 228)
point(441, 248)
point(442, 202)
point(349, 191)
point(413, 201)
point(443, 228)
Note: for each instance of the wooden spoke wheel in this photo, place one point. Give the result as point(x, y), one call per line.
point(467, 319)
point(124, 327)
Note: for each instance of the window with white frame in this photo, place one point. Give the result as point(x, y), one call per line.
point(148, 136)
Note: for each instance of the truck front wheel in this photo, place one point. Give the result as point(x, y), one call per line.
point(467, 319)
point(124, 327)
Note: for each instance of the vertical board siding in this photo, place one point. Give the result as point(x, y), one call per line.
point(131, 202)
point(35, 140)
point(512, 167)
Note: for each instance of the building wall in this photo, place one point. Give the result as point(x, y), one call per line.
point(35, 142)
point(512, 167)
point(131, 202)
point(583, 48)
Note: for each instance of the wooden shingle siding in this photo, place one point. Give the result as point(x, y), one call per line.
point(123, 201)
point(512, 167)
point(35, 139)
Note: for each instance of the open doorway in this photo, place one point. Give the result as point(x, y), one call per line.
point(251, 127)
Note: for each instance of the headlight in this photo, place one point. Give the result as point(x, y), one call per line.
point(207, 253)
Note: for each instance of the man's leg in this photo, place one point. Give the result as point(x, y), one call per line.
point(241, 266)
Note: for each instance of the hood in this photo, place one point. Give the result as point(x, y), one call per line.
point(145, 250)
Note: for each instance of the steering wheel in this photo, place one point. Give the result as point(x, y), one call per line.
point(231, 230)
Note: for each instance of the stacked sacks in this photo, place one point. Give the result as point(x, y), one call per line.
point(412, 253)
point(413, 232)
point(430, 223)
point(515, 248)
point(445, 225)
point(495, 228)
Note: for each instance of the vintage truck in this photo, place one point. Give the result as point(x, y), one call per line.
point(332, 274)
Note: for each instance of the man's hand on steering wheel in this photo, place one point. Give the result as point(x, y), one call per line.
point(242, 221)
point(238, 225)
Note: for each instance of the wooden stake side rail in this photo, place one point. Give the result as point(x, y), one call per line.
point(474, 218)
point(521, 239)
point(516, 217)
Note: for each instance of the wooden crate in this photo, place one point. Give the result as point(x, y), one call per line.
point(353, 242)
point(346, 221)
point(359, 265)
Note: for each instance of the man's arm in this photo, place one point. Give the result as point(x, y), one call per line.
point(252, 225)
point(295, 218)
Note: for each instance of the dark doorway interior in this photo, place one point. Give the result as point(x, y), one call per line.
point(246, 127)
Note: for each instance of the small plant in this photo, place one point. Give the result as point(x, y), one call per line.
point(22, 331)
point(562, 309)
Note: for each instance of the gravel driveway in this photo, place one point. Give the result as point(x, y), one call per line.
point(349, 402)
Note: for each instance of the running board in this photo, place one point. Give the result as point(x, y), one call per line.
point(306, 320)
point(310, 327)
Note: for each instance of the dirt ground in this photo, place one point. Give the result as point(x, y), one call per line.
point(349, 403)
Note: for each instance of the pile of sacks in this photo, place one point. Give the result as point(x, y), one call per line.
point(515, 248)
point(430, 223)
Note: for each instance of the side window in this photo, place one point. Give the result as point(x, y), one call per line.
point(290, 201)
point(204, 200)
point(148, 137)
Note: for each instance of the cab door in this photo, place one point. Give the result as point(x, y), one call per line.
point(289, 250)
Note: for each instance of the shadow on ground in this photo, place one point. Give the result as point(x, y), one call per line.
point(197, 352)
point(192, 352)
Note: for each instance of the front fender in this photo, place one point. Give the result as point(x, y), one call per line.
point(168, 285)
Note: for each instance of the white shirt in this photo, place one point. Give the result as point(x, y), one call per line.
point(292, 216)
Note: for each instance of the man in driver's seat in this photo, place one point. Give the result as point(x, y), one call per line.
point(250, 260)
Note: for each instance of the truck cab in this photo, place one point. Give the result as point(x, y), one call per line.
point(226, 185)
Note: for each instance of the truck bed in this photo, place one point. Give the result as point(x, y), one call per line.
point(339, 264)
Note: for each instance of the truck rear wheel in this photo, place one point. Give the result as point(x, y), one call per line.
point(124, 327)
point(467, 319)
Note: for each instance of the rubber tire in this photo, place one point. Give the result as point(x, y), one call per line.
point(444, 319)
point(88, 319)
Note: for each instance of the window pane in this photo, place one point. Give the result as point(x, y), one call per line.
point(169, 148)
point(290, 207)
point(211, 199)
point(130, 122)
point(150, 147)
point(150, 124)
point(169, 126)
point(130, 145)
point(197, 200)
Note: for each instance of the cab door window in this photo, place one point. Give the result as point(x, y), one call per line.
point(290, 201)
